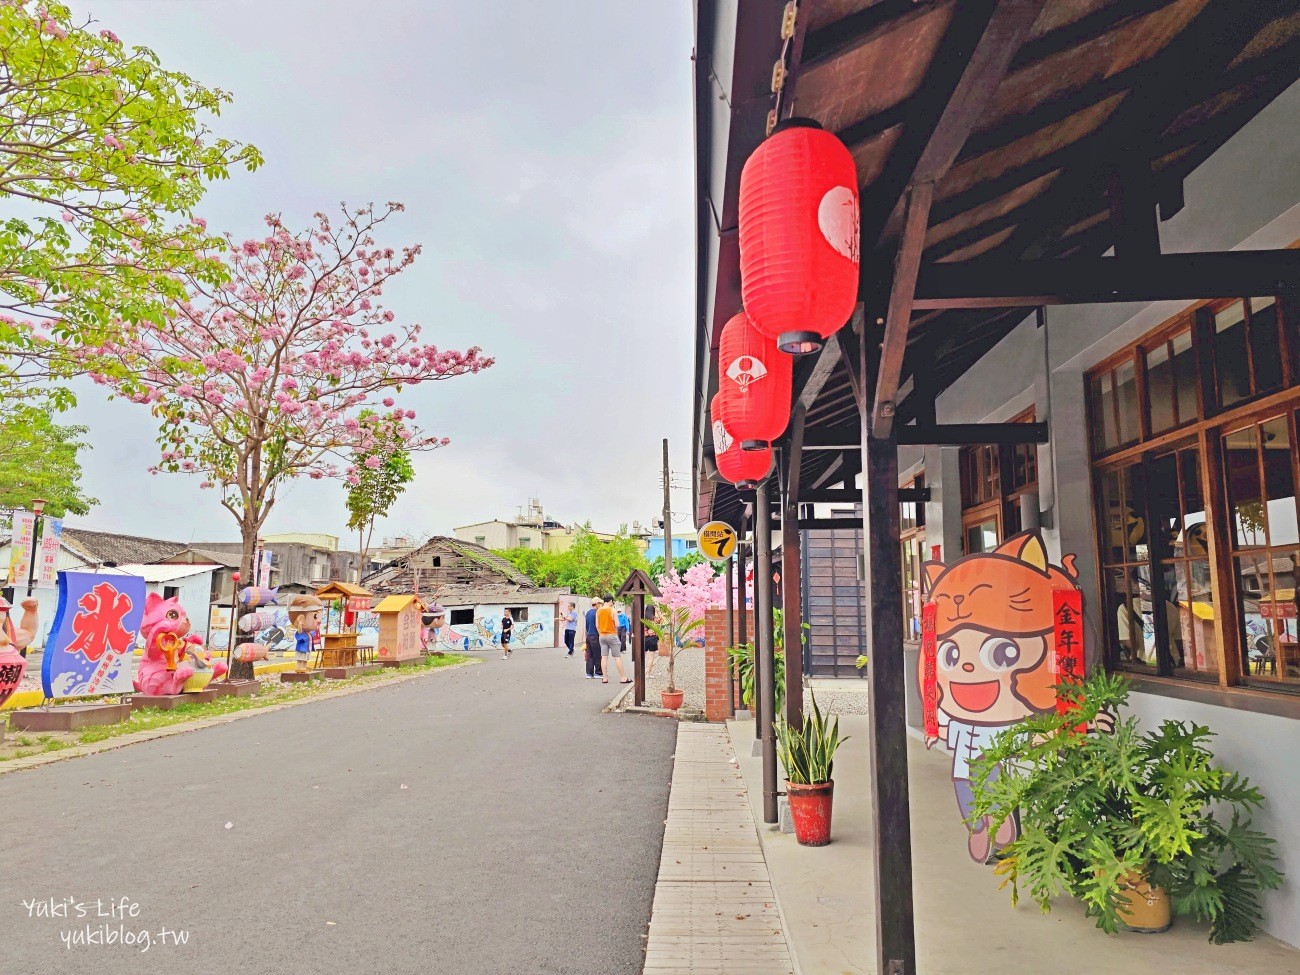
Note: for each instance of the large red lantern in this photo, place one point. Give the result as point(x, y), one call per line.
point(754, 380)
point(743, 468)
point(799, 235)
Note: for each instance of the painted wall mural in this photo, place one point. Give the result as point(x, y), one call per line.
point(270, 627)
point(990, 656)
point(485, 632)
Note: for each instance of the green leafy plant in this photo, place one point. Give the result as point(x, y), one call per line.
point(1098, 810)
point(808, 754)
point(742, 664)
point(673, 627)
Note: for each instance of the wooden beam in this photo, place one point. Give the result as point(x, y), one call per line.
point(853, 495)
point(962, 434)
point(1131, 196)
point(898, 319)
point(843, 438)
point(823, 363)
point(1099, 280)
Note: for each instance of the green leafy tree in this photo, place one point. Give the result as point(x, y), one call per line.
point(38, 459)
point(596, 567)
point(542, 567)
point(381, 472)
point(103, 155)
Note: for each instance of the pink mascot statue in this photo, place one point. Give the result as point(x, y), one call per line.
point(167, 641)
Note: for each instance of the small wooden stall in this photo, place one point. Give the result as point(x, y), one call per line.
point(339, 648)
point(399, 629)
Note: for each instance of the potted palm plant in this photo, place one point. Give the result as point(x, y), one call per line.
point(673, 627)
point(1136, 826)
point(808, 756)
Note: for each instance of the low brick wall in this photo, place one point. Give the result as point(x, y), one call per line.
point(716, 664)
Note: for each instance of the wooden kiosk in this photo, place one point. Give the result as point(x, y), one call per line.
point(338, 655)
point(399, 629)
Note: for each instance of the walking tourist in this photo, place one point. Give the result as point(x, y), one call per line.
point(593, 640)
point(507, 629)
point(570, 627)
point(624, 628)
point(650, 646)
point(607, 627)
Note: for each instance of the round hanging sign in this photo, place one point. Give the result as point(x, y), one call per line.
point(717, 541)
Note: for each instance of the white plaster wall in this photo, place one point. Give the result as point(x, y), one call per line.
point(1247, 196)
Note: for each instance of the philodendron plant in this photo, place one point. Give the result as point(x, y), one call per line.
point(1098, 810)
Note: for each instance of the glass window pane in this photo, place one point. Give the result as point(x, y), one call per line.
point(1265, 348)
point(1268, 611)
point(1185, 377)
point(1101, 405)
point(982, 537)
point(1230, 360)
point(1192, 541)
point(1131, 628)
point(1111, 498)
point(1126, 392)
point(1245, 495)
point(1160, 388)
point(1279, 482)
point(1190, 617)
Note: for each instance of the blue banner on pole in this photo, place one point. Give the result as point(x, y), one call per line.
point(93, 637)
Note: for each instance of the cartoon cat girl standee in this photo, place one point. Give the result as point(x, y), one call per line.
point(995, 660)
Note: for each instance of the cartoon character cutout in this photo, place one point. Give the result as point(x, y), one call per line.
point(995, 660)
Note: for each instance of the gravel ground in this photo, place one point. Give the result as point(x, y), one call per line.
point(688, 674)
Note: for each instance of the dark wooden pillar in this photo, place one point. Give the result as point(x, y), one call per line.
point(765, 695)
point(729, 573)
point(791, 574)
point(892, 840)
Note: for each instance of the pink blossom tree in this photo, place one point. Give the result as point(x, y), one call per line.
point(699, 588)
point(286, 370)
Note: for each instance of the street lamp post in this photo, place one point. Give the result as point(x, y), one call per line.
point(38, 505)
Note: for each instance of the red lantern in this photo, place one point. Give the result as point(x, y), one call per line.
point(799, 235)
point(754, 380)
point(743, 468)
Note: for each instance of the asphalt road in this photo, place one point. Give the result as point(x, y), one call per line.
point(480, 821)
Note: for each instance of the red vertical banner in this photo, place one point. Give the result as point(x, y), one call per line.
point(929, 671)
point(1067, 627)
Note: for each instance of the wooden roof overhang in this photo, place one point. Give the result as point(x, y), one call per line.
point(1003, 147)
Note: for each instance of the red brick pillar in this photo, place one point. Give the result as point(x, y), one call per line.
point(717, 671)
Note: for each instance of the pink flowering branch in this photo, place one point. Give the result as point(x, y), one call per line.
point(286, 369)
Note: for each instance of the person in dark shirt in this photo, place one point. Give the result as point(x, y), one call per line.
point(593, 641)
point(507, 629)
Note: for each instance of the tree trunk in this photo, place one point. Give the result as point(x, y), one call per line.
point(247, 577)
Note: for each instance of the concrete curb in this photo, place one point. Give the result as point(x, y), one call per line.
point(617, 703)
point(153, 734)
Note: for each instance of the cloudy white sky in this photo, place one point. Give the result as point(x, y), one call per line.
point(543, 151)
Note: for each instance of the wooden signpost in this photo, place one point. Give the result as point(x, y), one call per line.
point(637, 586)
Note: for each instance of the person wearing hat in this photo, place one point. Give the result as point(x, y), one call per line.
point(593, 640)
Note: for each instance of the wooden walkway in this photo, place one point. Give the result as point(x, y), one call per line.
point(714, 912)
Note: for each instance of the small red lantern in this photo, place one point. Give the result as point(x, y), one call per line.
point(799, 235)
point(754, 381)
point(743, 468)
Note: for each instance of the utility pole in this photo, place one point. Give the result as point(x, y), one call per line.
point(668, 514)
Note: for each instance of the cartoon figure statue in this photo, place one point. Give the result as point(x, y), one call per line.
point(994, 657)
point(164, 668)
point(305, 614)
point(13, 645)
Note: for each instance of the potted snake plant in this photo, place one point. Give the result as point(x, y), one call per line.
point(808, 756)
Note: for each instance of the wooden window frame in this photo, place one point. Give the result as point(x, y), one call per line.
point(1206, 431)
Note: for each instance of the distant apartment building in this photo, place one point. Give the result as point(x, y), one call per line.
point(532, 528)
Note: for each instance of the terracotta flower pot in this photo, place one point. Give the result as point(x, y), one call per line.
point(1143, 908)
point(810, 808)
point(672, 699)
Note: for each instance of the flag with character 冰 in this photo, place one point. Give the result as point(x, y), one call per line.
point(89, 650)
